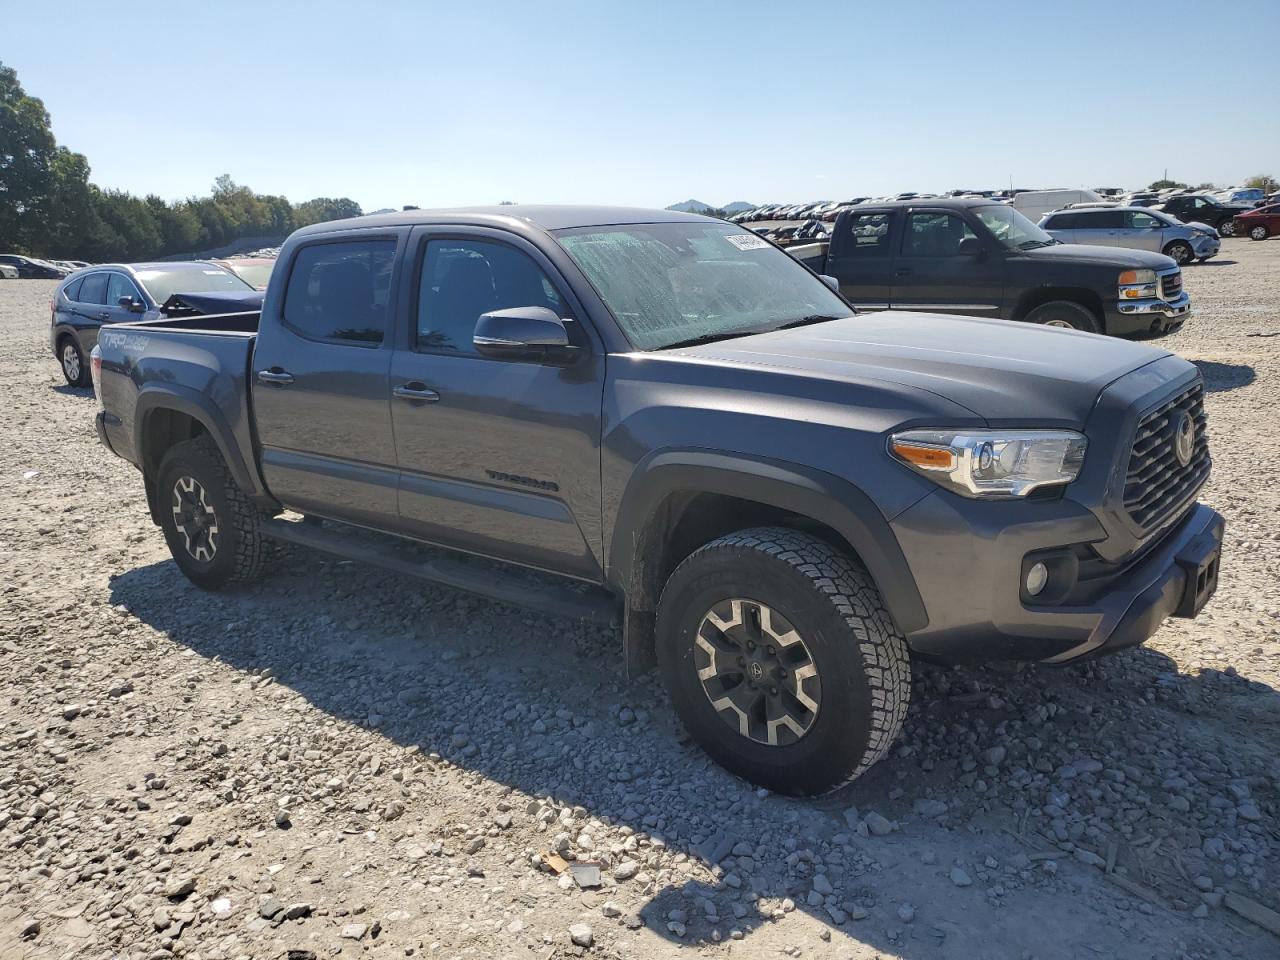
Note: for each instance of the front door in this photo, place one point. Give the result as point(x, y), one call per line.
point(319, 383)
point(934, 272)
point(1144, 232)
point(497, 457)
point(864, 258)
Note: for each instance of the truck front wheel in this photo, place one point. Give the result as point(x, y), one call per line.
point(213, 531)
point(1064, 313)
point(782, 661)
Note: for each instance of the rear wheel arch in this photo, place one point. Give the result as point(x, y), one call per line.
point(678, 502)
point(166, 417)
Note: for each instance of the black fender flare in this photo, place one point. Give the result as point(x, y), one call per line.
point(830, 500)
point(185, 400)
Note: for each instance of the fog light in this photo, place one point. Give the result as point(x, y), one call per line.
point(1037, 577)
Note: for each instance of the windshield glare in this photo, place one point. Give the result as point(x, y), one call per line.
point(1011, 228)
point(671, 282)
point(163, 283)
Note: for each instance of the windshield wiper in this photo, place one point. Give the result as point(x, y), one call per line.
point(709, 338)
point(1035, 244)
point(805, 321)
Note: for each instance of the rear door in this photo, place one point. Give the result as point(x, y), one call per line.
point(931, 273)
point(861, 258)
point(497, 457)
point(1062, 226)
point(1101, 228)
point(320, 396)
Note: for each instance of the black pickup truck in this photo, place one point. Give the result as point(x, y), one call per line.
point(1193, 208)
point(662, 420)
point(985, 259)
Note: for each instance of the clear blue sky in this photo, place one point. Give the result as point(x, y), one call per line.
point(650, 102)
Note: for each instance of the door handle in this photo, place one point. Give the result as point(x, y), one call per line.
point(104, 315)
point(415, 390)
point(902, 272)
point(277, 377)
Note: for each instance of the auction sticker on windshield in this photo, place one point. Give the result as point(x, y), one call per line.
point(747, 241)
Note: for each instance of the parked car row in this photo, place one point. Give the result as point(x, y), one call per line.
point(33, 268)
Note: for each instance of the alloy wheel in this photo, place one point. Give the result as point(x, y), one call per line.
point(71, 362)
point(757, 672)
point(195, 519)
point(1059, 323)
point(1258, 233)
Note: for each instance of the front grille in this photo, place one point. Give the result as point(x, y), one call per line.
point(1158, 484)
point(1170, 285)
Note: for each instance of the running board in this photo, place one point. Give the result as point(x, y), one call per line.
point(485, 578)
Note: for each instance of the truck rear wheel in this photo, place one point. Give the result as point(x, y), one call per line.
point(782, 661)
point(1064, 313)
point(213, 531)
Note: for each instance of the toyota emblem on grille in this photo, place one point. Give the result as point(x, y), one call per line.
point(1184, 438)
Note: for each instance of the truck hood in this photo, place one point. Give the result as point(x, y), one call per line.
point(1122, 258)
point(1007, 373)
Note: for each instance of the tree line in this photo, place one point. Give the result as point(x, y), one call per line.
point(48, 207)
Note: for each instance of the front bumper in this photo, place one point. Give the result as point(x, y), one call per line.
point(1147, 316)
point(968, 561)
point(1205, 246)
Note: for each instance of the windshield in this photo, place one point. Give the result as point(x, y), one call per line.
point(672, 283)
point(255, 274)
point(1012, 229)
point(164, 282)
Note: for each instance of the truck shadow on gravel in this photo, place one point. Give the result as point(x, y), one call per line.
point(1225, 376)
point(79, 393)
point(1000, 773)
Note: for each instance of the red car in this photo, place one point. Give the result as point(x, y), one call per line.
point(1260, 223)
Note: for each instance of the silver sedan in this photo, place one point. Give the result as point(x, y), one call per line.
point(1136, 227)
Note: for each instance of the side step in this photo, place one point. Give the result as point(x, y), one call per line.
point(532, 590)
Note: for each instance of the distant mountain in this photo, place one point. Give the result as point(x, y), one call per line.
point(697, 206)
point(691, 206)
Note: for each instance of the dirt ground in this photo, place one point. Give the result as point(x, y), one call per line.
point(336, 762)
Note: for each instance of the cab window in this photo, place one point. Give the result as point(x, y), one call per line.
point(934, 235)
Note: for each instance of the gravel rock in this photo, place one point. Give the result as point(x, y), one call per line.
point(581, 934)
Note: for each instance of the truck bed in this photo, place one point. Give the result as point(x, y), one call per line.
point(198, 365)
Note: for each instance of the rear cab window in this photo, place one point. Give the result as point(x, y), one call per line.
point(338, 291)
point(868, 235)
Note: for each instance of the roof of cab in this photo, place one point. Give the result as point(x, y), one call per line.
point(540, 216)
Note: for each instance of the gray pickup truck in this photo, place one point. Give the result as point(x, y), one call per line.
point(662, 420)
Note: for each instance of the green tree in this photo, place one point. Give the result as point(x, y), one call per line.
point(27, 152)
point(1264, 182)
point(1166, 185)
point(323, 209)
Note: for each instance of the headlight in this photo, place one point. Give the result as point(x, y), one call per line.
point(992, 463)
point(1137, 285)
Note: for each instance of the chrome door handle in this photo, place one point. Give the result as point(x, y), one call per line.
point(415, 391)
point(277, 377)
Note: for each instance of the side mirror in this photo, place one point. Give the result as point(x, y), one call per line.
point(831, 282)
point(135, 306)
point(533, 334)
point(969, 247)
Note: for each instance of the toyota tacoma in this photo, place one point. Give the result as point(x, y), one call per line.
point(663, 421)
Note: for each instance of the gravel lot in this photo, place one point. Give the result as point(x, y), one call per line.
point(340, 762)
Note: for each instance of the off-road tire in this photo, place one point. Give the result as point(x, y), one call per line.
point(1064, 313)
point(1180, 251)
point(832, 602)
point(1258, 232)
point(75, 368)
point(242, 551)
